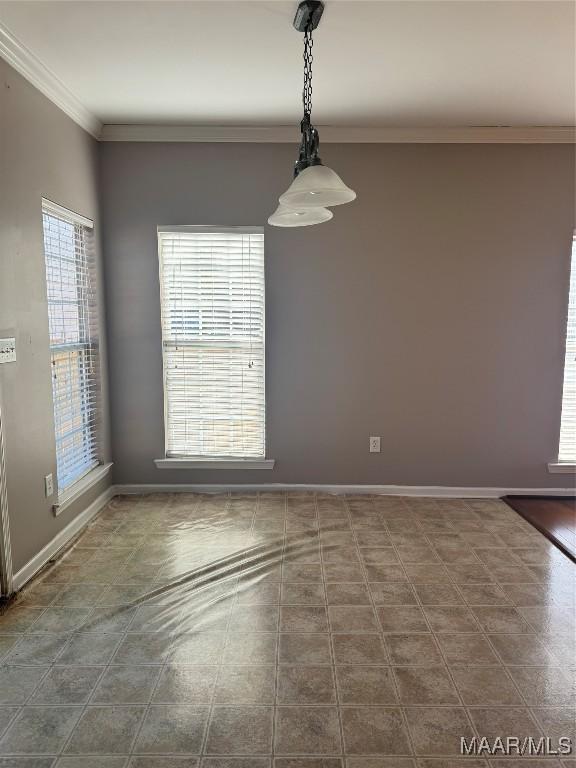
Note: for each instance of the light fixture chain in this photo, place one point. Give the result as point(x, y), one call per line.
point(308, 59)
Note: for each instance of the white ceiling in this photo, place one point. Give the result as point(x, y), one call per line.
point(388, 64)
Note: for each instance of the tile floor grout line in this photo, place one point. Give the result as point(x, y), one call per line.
point(330, 633)
point(448, 670)
point(278, 633)
point(27, 699)
point(401, 705)
point(501, 666)
point(382, 634)
point(523, 703)
point(220, 663)
point(435, 641)
point(105, 666)
point(101, 676)
point(448, 666)
point(210, 707)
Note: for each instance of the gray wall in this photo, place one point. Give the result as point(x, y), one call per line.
point(42, 154)
point(431, 311)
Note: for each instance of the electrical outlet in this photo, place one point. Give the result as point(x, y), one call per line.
point(7, 350)
point(49, 485)
point(374, 445)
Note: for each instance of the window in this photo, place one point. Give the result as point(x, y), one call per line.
point(567, 451)
point(212, 296)
point(74, 354)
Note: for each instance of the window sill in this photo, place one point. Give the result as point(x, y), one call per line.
point(214, 463)
point(562, 468)
point(73, 493)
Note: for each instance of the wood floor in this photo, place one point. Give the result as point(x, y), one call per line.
point(554, 517)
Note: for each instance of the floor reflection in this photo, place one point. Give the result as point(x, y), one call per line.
point(303, 628)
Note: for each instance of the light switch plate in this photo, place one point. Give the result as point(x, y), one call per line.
point(49, 485)
point(7, 350)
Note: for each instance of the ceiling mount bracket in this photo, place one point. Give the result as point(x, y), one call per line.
point(308, 15)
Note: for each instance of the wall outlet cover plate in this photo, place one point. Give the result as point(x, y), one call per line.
point(8, 350)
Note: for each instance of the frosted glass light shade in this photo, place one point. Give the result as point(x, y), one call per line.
point(303, 217)
point(317, 186)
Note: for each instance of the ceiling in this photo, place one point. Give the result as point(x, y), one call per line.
point(377, 64)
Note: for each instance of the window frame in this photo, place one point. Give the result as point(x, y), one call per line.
point(98, 469)
point(204, 461)
point(566, 463)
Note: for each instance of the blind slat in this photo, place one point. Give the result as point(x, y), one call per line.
point(74, 352)
point(212, 295)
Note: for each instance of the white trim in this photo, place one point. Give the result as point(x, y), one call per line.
point(214, 463)
point(562, 468)
point(53, 209)
point(434, 491)
point(72, 494)
point(29, 66)
point(41, 77)
point(210, 229)
point(289, 134)
point(61, 539)
point(6, 571)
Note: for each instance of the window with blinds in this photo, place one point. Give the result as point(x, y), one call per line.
point(567, 451)
point(212, 296)
point(74, 353)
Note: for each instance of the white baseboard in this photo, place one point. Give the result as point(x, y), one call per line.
point(434, 491)
point(61, 539)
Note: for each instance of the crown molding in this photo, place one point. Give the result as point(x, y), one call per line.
point(29, 66)
point(280, 134)
point(286, 134)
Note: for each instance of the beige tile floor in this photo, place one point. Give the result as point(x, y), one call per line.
point(188, 631)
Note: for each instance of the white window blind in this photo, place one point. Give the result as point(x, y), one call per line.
point(72, 318)
point(567, 451)
point(212, 295)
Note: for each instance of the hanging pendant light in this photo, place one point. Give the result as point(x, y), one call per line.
point(284, 216)
point(315, 186)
